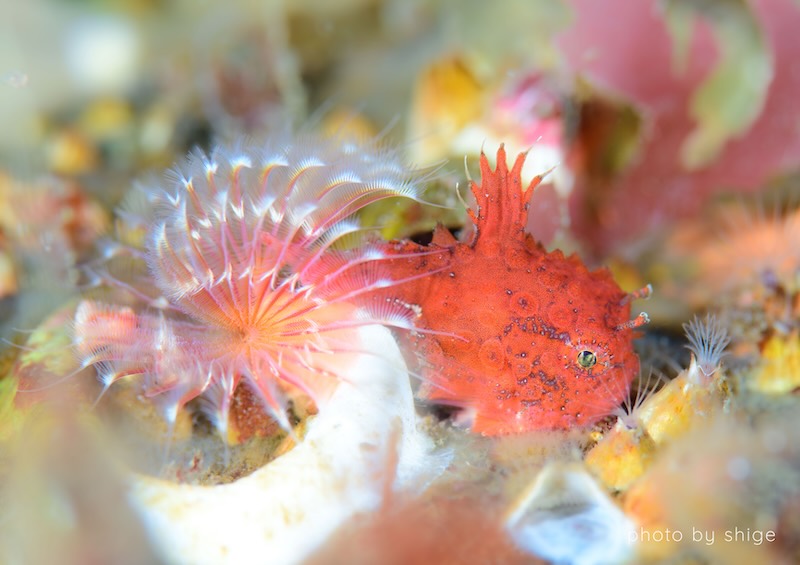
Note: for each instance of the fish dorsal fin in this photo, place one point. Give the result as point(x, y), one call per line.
point(443, 237)
point(502, 204)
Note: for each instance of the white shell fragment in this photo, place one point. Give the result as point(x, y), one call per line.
point(566, 518)
point(365, 436)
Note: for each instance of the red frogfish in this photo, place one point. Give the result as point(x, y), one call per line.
point(524, 338)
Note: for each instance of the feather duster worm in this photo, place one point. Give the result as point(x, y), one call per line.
point(539, 340)
point(249, 275)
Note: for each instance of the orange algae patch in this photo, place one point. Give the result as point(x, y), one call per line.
point(524, 338)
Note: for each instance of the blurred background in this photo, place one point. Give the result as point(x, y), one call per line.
point(672, 129)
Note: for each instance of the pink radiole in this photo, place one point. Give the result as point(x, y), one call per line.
point(253, 276)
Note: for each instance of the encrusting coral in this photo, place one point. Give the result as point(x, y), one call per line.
point(660, 416)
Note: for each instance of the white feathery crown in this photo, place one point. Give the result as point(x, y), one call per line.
point(245, 246)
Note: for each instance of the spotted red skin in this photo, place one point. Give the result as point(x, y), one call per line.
point(522, 316)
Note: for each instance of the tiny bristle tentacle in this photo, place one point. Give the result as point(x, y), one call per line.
point(57, 382)
point(361, 282)
point(102, 333)
point(274, 401)
point(399, 316)
point(327, 258)
point(708, 339)
point(390, 312)
point(357, 280)
point(294, 365)
point(329, 266)
point(174, 387)
point(171, 400)
point(337, 207)
point(110, 373)
point(217, 399)
point(640, 392)
point(611, 399)
point(122, 270)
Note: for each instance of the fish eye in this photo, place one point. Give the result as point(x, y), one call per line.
point(587, 359)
